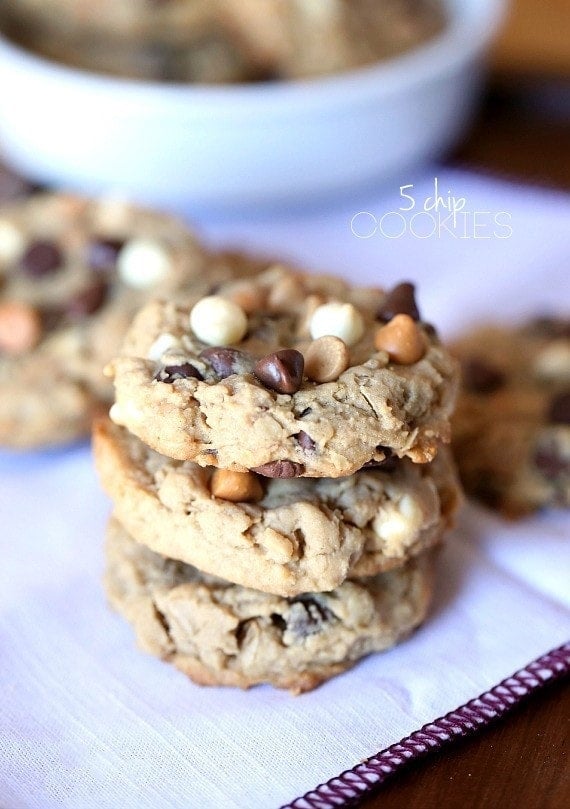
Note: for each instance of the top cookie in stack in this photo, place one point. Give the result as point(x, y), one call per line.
point(287, 375)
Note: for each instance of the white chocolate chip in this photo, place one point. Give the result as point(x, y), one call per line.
point(398, 525)
point(164, 343)
point(218, 321)
point(142, 263)
point(341, 320)
point(124, 413)
point(12, 242)
point(553, 362)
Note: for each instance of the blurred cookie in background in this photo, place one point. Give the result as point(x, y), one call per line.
point(512, 424)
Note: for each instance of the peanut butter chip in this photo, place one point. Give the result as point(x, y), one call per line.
point(239, 487)
point(326, 359)
point(20, 328)
point(401, 339)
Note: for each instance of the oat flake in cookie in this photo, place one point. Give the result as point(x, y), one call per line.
point(512, 427)
point(288, 375)
point(72, 274)
point(221, 634)
point(284, 536)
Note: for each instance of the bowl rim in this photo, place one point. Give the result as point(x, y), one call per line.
point(470, 30)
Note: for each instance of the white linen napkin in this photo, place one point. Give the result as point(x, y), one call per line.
point(88, 721)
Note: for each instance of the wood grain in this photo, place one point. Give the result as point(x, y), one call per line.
point(521, 761)
point(535, 38)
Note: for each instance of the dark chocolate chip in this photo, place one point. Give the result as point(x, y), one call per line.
point(559, 408)
point(307, 616)
point(400, 301)
point(102, 253)
point(305, 441)
point(88, 300)
point(227, 361)
point(387, 464)
point(280, 469)
point(41, 258)
point(550, 462)
point(550, 327)
point(479, 376)
point(172, 372)
point(51, 317)
point(278, 621)
point(281, 371)
point(485, 491)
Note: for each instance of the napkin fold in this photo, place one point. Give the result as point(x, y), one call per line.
point(88, 721)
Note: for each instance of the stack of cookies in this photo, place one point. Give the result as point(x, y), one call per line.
point(276, 463)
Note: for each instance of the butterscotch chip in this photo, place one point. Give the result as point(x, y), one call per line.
point(326, 359)
point(20, 327)
point(247, 295)
point(402, 340)
point(239, 487)
point(287, 292)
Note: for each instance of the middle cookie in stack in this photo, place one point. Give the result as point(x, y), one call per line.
point(298, 422)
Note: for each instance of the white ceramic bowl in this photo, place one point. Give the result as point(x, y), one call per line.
point(196, 147)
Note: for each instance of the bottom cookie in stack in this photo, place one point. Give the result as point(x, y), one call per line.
point(225, 634)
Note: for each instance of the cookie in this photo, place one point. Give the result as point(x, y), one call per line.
point(72, 274)
point(281, 536)
point(287, 375)
point(512, 426)
point(221, 634)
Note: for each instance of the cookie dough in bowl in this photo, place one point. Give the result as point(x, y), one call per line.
point(214, 41)
point(293, 375)
point(281, 536)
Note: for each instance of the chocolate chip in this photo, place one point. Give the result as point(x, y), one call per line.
point(281, 371)
point(102, 253)
point(400, 301)
point(278, 621)
point(305, 441)
point(559, 408)
point(172, 372)
point(41, 258)
point(307, 616)
point(227, 361)
point(280, 469)
point(88, 300)
point(549, 327)
point(479, 376)
point(550, 462)
point(389, 464)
